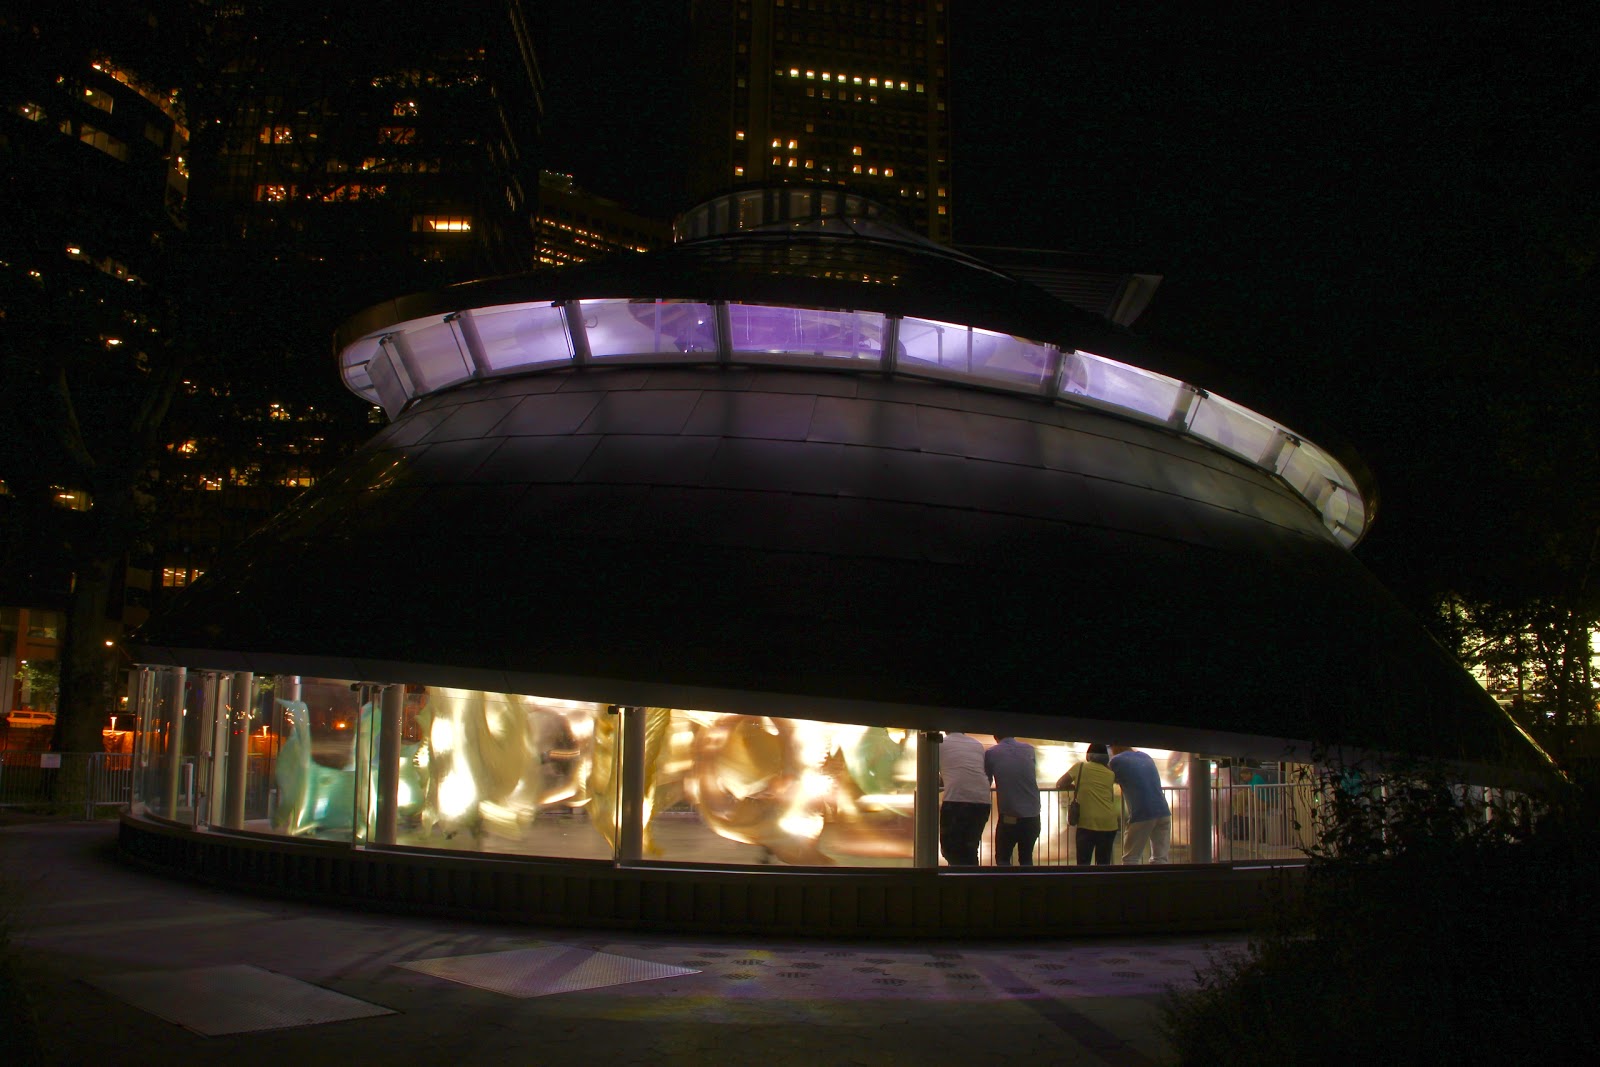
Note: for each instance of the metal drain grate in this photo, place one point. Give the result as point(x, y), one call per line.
point(234, 999)
point(539, 972)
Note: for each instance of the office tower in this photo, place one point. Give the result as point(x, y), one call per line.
point(574, 225)
point(217, 185)
point(838, 92)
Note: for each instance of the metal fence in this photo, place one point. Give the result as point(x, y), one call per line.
point(35, 779)
point(1248, 822)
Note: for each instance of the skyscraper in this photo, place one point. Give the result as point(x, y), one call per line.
point(843, 92)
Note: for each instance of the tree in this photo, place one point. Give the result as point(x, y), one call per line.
point(305, 176)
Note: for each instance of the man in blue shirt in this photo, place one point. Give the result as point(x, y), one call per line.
point(1010, 765)
point(1149, 816)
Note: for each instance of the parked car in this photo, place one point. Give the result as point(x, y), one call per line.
point(28, 718)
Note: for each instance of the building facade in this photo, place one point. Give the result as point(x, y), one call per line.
point(575, 225)
point(672, 568)
point(826, 92)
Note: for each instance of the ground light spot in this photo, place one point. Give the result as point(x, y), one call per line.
point(751, 963)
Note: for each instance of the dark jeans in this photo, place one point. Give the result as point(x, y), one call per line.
point(1019, 835)
point(960, 829)
point(1098, 844)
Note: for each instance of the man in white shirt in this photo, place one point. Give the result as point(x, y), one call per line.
point(964, 810)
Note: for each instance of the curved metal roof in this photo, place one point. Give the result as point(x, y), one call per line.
point(796, 249)
point(836, 547)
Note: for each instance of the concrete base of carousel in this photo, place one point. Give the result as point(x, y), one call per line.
point(842, 902)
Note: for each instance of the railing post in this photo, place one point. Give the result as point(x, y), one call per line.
point(238, 757)
point(630, 805)
point(394, 698)
point(175, 697)
point(925, 803)
point(1199, 810)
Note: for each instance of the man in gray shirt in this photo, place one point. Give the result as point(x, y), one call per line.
point(1010, 764)
point(964, 811)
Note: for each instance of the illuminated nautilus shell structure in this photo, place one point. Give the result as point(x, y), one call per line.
point(689, 554)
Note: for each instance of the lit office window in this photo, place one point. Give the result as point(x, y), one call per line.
point(441, 224)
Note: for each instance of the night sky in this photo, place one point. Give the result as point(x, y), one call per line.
point(1340, 202)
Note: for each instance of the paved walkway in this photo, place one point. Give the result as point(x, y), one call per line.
point(82, 922)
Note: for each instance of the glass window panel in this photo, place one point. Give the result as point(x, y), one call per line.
point(307, 730)
point(737, 789)
point(655, 328)
point(1118, 385)
point(805, 333)
point(523, 335)
point(1300, 469)
point(436, 357)
point(950, 350)
point(389, 380)
point(503, 772)
point(1234, 428)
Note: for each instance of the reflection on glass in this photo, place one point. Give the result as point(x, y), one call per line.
point(801, 332)
point(967, 352)
point(649, 328)
point(791, 790)
point(523, 335)
point(314, 772)
point(1240, 431)
point(1106, 381)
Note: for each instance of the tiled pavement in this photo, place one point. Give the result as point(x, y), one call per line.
point(90, 933)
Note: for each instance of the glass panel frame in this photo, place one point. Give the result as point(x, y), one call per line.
point(517, 337)
point(655, 331)
point(783, 334)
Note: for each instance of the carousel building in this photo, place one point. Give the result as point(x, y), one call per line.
point(650, 603)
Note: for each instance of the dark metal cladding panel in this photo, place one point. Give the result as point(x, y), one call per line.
point(451, 461)
point(472, 420)
point(549, 413)
point(781, 466)
point(776, 416)
point(523, 460)
point(651, 460)
point(654, 411)
point(850, 421)
point(938, 585)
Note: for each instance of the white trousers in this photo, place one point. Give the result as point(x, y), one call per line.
point(1156, 832)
